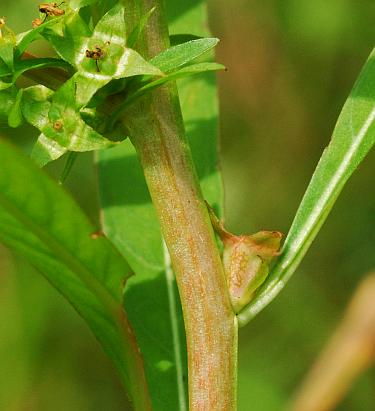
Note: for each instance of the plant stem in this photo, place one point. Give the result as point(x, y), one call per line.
point(156, 128)
point(157, 131)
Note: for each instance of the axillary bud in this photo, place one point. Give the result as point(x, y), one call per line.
point(246, 261)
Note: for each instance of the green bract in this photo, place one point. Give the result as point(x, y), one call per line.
point(62, 127)
point(88, 59)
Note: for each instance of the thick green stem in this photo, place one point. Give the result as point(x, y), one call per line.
point(156, 129)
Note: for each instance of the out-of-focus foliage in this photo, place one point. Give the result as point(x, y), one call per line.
point(291, 65)
point(285, 86)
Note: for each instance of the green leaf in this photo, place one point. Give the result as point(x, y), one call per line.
point(130, 221)
point(46, 150)
point(36, 104)
point(39, 221)
point(116, 61)
point(74, 133)
point(15, 118)
point(177, 39)
point(5, 85)
point(352, 139)
point(23, 40)
point(184, 72)
point(178, 56)
point(71, 158)
point(112, 26)
point(38, 63)
point(23, 66)
point(89, 80)
point(68, 43)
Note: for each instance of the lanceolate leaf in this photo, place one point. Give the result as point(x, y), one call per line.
point(42, 223)
point(22, 66)
point(353, 137)
point(175, 75)
point(176, 39)
point(184, 53)
point(151, 297)
point(23, 40)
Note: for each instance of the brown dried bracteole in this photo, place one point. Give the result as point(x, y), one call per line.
point(37, 22)
point(49, 9)
point(96, 55)
point(246, 260)
point(58, 125)
point(2, 24)
point(97, 234)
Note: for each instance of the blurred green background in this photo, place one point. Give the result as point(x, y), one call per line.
point(291, 65)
